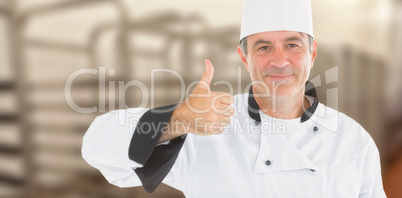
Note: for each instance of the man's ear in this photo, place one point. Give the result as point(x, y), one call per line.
point(313, 53)
point(242, 57)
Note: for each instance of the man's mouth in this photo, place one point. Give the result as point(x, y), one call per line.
point(280, 76)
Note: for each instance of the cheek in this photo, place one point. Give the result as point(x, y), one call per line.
point(299, 60)
point(256, 72)
point(302, 64)
point(307, 68)
point(252, 68)
point(257, 65)
point(253, 72)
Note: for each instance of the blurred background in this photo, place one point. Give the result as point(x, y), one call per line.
point(43, 42)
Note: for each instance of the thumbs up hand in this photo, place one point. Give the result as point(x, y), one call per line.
point(204, 112)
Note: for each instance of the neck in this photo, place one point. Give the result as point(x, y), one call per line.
point(289, 107)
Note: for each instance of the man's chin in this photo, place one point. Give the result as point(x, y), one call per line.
point(281, 88)
point(282, 92)
point(277, 82)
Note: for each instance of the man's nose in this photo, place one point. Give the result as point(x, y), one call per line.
point(279, 58)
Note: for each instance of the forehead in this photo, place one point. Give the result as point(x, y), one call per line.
point(276, 36)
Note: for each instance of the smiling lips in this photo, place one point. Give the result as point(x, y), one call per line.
point(279, 76)
point(276, 73)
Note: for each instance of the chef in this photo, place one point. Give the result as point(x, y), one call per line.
point(276, 140)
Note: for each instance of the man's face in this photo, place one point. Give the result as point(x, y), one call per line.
point(279, 62)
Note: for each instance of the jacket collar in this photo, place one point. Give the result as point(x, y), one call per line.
point(253, 108)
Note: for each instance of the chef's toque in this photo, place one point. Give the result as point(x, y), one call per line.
point(276, 15)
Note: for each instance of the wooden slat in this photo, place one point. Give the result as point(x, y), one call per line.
point(61, 161)
point(62, 118)
point(12, 181)
point(55, 139)
point(7, 85)
point(10, 190)
point(8, 102)
point(8, 118)
point(12, 169)
point(10, 150)
point(10, 135)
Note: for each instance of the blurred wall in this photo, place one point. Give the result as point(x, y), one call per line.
point(45, 42)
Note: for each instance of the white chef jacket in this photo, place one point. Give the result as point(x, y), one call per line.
point(329, 155)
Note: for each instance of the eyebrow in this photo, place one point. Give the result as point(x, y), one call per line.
point(292, 38)
point(261, 41)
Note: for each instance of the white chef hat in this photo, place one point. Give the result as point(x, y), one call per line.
point(276, 15)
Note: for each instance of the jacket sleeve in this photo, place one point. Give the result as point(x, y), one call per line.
point(157, 161)
point(122, 146)
point(372, 181)
point(105, 146)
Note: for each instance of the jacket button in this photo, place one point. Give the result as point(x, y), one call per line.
point(268, 162)
point(315, 129)
point(312, 170)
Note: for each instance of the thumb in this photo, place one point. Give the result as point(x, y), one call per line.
point(208, 74)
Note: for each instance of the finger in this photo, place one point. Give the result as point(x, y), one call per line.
point(208, 74)
point(229, 112)
point(225, 98)
point(224, 120)
point(220, 108)
point(213, 127)
point(221, 99)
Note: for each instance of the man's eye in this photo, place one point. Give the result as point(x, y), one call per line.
point(292, 45)
point(264, 48)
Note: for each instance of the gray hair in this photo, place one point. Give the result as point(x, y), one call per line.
point(243, 44)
